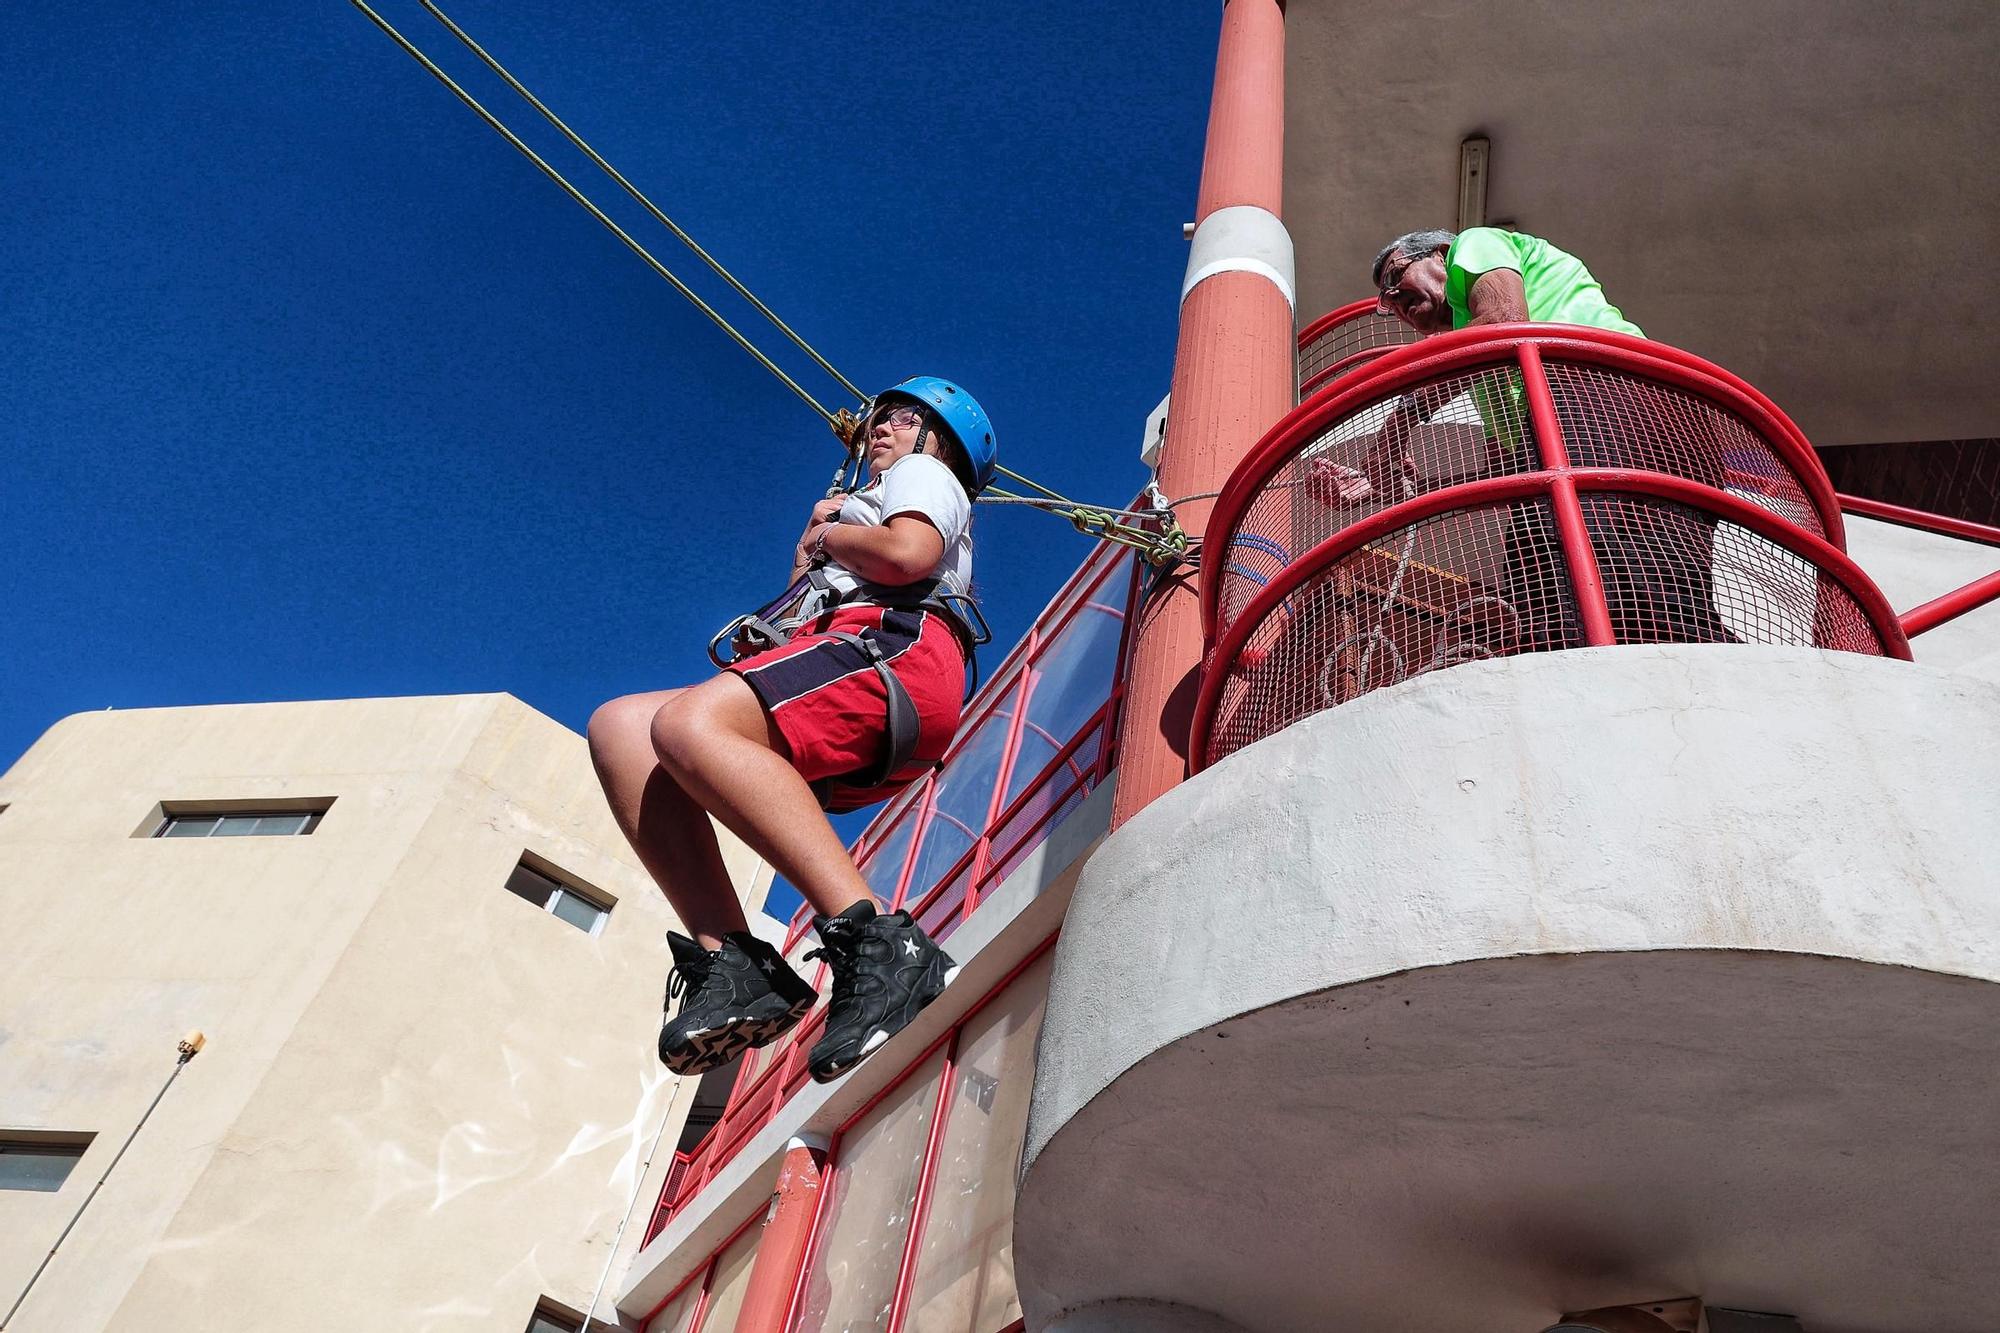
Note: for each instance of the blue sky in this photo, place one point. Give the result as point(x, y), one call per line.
point(315, 389)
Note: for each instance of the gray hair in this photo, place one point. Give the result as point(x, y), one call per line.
point(1415, 244)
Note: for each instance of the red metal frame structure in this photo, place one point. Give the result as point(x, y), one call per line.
point(704, 1273)
point(1654, 399)
point(906, 1274)
point(1959, 601)
point(1015, 814)
point(927, 1178)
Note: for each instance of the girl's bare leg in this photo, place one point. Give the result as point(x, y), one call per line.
point(722, 751)
point(667, 829)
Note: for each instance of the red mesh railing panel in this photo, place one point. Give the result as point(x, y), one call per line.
point(1509, 490)
point(1471, 584)
point(1346, 340)
point(1673, 574)
point(1612, 418)
point(1311, 493)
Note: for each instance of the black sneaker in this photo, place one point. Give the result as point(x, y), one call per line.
point(742, 995)
point(885, 970)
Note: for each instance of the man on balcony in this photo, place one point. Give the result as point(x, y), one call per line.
point(1655, 561)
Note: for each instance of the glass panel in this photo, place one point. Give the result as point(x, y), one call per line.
point(281, 824)
point(964, 790)
point(183, 826)
point(41, 1167)
point(236, 826)
point(884, 865)
point(853, 1279)
point(965, 1261)
point(578, 911)
point(678, 1313)
point(731, 1283)
point(535, 888)
point(1072, 679)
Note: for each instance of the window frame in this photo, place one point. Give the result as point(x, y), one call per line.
point(704, 1273)
point(562, 882)
point(45, 1143)
point(547, 1309)
point(832, 1175)
point(166, 814)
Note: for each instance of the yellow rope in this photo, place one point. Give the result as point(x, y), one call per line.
point(647, 204)
point(1165, 546)
point(595, 211)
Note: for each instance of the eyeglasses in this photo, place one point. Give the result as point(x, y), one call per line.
point(897, 416)
point(1393, 296)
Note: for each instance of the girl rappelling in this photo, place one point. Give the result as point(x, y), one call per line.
point(839, 694)
point(838, 705)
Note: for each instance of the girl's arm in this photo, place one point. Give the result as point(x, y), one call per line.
point(903, 550)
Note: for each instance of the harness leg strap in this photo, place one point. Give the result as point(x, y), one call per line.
point(903, 724)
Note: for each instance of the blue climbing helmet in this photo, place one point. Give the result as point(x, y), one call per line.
point(961, 414)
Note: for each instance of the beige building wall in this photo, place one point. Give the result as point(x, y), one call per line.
point(423, 1104)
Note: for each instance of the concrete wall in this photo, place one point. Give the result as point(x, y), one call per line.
point(423, 1104)
point(1540, 984)
point(1669, 147)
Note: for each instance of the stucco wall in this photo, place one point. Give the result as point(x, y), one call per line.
point(423, 1102)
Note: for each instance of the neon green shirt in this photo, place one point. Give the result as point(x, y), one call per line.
point(1560, 289)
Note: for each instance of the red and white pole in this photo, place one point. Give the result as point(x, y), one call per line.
point(1235, 371)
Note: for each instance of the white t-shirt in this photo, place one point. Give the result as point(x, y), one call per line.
point(914, 484)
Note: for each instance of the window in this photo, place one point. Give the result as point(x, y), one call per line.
point(729, 1283)
point(965, 1254)
point(548, 1321)
point(710, 1300)
point(955, 1177)
point(238, 824)
point(866, 1219)
point(560, 900)
point(40, 1163)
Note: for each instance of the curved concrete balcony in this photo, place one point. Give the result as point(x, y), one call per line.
point(1544, 983)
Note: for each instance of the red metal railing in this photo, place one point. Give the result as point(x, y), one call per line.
point(1033, 744)
point(1344, 340)
point(1546, 487)
point(1980, 592)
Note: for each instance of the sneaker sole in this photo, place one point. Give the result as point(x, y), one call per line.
point(712, 1048)
point(879, 1038)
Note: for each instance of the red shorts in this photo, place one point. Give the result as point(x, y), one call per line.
point(832, 708)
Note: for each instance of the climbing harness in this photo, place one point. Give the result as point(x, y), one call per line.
point(1153, 533)
point(813, 597)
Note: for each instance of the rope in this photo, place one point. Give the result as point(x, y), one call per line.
point(596, 212)
point(1162, 545)
point(1166, 545)
point(647, 204)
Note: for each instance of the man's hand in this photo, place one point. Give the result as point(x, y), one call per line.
point(1387, 471)
point(1338, 486)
